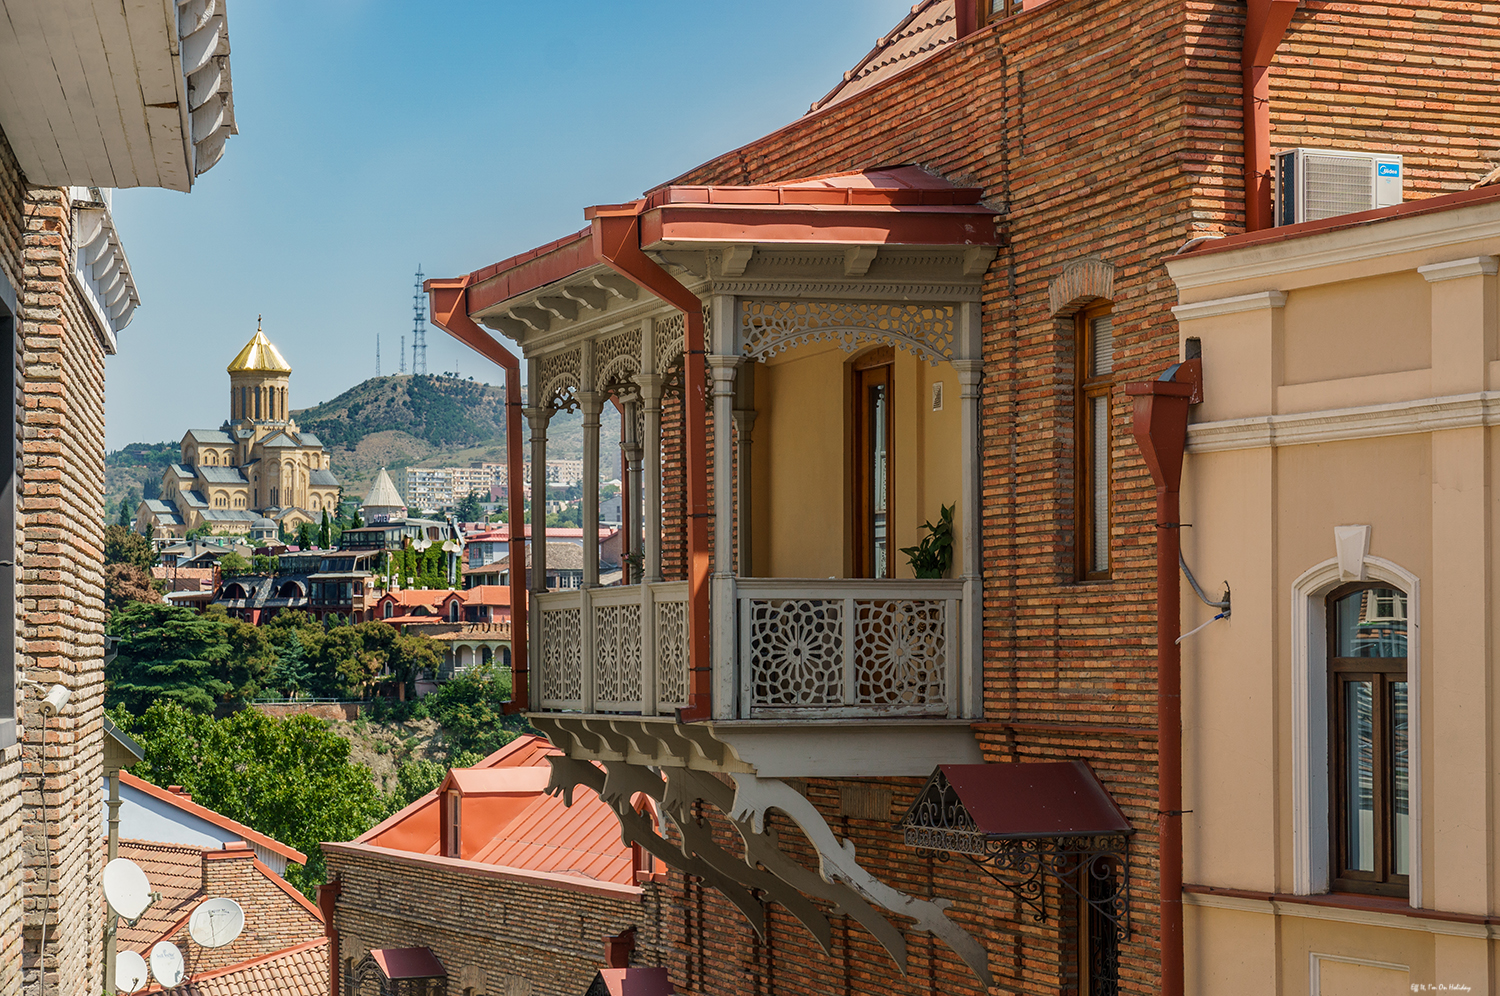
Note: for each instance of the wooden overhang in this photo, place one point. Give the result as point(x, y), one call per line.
point(903, 205)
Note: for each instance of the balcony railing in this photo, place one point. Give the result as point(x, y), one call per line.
point(810, 649)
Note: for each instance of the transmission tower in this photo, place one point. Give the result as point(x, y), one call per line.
point(377, 354)
point(402, 353)
point(419, 328)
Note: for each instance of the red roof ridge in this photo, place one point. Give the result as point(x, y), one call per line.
point(218, 819)
point(219, 973)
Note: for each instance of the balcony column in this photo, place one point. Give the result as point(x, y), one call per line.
point(723, 362)
point(650, 383)
point(538, 419)
point(744, 425)
point(971, 693)
point(630, 499)
point(592, 403)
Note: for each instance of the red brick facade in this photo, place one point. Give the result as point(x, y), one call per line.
point(1110, 134)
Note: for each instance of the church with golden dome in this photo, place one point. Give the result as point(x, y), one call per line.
point(256, 474)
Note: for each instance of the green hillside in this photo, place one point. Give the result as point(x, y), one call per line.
point(393, 422)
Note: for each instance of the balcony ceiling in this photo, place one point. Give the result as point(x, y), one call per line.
point(105, 94)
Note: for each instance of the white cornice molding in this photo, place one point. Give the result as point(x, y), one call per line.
point(1340, 914)
point(1261, 301)
point(1474, 266)
point(1374, 240)
point(1401, 418)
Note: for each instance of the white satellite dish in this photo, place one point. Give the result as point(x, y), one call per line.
point(216, 922)
point(126, 888)
point(130, 972)
point(166, 964)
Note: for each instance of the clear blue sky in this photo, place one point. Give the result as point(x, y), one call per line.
point(378, 135)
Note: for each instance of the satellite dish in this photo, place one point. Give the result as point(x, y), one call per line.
point(216, 922)
point(166, 964)
point(126, 888)
point(130, 972)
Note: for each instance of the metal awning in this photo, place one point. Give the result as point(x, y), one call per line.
point(408, 963)
point(1021, 820)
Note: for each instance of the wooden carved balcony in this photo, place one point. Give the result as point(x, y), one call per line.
point(803, 649)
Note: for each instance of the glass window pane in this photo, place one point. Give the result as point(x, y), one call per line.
point(879, 478)
point(1099, 482)
point(1370, 623)
point(1400, 783)
point(1359, 775)
point(1101, 346)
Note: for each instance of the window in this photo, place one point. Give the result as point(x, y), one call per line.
point(455, 837)
point(993, 10)
point(1094, 365)
point(873, 425)
point(1369, 750)
point(389, 609)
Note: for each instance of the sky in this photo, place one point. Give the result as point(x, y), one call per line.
point(377, 135)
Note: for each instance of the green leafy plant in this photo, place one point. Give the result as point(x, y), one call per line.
point(934, 555)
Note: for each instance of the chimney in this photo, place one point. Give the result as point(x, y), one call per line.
point(617, 949)
point(177, 790)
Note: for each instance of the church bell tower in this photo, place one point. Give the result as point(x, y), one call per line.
point(258, 383)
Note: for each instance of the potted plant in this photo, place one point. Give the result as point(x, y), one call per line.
point(934, 555)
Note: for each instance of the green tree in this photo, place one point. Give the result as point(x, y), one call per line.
point(290, 779)
point(470, 709)
point(121, 546)
point(325, 532)
point(167, 653)
point(232, 565)
point(469, 508)
point(262, 563)
point(409, 655)
point(305, 538)
point(129, 502)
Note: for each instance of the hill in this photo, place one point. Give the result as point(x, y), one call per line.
point(393, 422)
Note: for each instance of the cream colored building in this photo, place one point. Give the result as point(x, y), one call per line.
point(258, 465)
point(1339, 732)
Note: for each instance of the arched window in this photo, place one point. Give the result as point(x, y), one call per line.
point(486, 656)
point(505, 656)
point(389, 610)
point(1369, 745)
point(453, 610)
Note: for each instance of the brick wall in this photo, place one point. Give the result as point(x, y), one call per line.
point(53, 863)
point(524, 937)
point(1111, 133)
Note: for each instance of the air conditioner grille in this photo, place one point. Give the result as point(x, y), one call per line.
point(1337, 185)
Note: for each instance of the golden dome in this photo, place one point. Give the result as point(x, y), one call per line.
point(259, 356)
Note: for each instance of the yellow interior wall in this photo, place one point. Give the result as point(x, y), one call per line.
point(800, 492)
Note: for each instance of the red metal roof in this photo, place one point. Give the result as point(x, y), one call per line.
point(408, 963)
point(1408, 209)
point(186, 804)
point(1035, 799)
point(633, 982)
point(581, 841)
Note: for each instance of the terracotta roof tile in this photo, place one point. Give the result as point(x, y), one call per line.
point(298, 971)
point(174, 870)
point(930, 26)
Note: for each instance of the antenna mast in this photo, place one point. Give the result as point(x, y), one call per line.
point(419, 328)
point(377, 354)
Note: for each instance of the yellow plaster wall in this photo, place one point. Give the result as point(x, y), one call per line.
point(1356, 328)
point(801, 460)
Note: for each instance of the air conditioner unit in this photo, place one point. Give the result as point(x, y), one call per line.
point(1312, 184)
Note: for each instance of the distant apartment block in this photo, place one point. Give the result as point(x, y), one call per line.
point(442, 487)
point(561, 472)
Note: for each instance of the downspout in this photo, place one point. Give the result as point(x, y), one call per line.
point(1266, 22)
point(617, 244)
point(328, 894)
point(1160, 429)
point(450, 312)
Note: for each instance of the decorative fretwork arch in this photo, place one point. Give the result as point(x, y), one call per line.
point(928, 331)
point(617, 359)
point(561, 376)
point(1081, 282)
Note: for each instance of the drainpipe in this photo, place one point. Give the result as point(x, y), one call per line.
point(617, 244)
point(1265, 26)
point(1160, 429)
point(113, 851)
point(450, 312)
point(328, 894)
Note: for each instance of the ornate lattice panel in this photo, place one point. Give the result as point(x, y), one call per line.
point(561, 376)
point(901, 655)
point(669, 341)
point(796, 652)
point(671, 655)
point(617, 359)
point(562, 656)
point(617, 656)
point(930, 331)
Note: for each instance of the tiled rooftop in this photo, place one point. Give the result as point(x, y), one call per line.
point(299, 971)
point(930, 26)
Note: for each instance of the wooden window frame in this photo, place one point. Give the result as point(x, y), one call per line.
point(880, 358)
point(990, 11)
point(1087, 388)
point(1382, 672)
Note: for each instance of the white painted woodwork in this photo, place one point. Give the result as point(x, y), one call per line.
point(94, 93)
